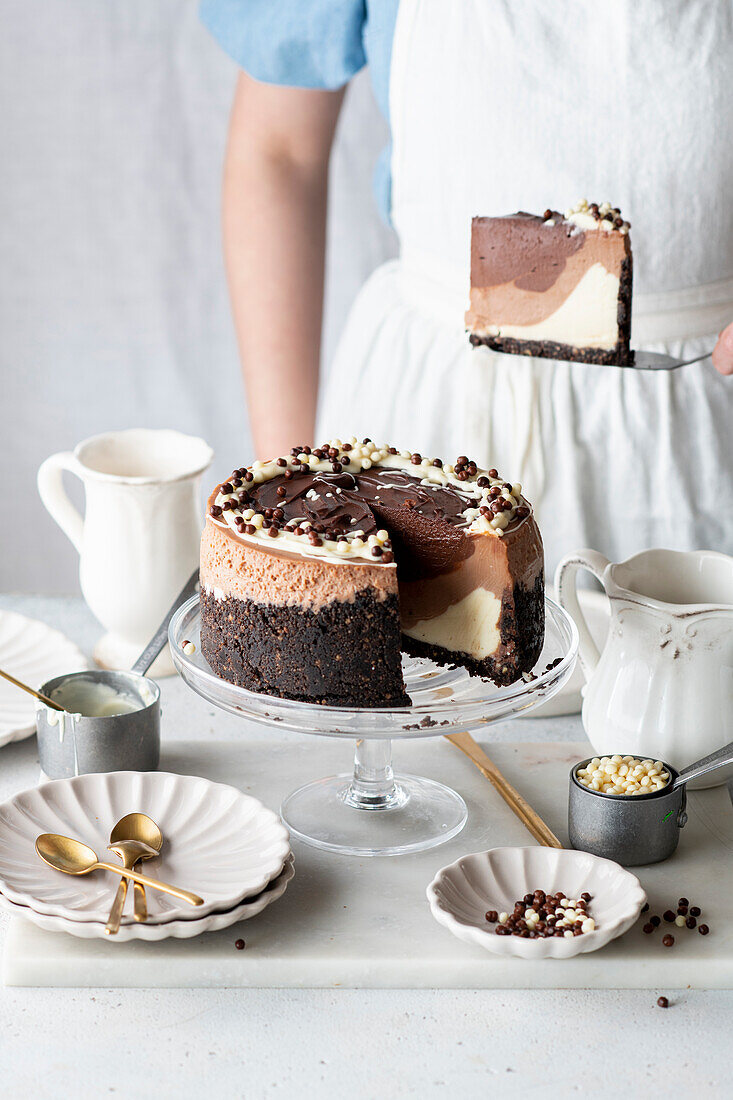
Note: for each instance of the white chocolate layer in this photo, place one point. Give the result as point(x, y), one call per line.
point(588, 318)
point(470, 626)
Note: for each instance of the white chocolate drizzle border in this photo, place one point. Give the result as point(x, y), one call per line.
point(363, 456)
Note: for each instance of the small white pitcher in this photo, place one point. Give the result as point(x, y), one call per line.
point(663, 685)
point(139, 538)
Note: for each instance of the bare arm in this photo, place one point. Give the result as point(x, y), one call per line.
point(274, 221)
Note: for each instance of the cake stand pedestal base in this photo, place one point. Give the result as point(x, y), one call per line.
point(372, 812)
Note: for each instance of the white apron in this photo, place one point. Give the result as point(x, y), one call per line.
point(503, 105)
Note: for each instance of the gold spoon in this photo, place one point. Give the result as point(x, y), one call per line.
point(31, 691)
point(134, 838)
point(75, 858)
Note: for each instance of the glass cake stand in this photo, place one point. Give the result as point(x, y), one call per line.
point(371, 811)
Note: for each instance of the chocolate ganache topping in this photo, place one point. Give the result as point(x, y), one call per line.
point(333, 500)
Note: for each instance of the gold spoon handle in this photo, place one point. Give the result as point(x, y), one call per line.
point(164, 887)
point(30, 690)
point(112, 926)
point(141, 902)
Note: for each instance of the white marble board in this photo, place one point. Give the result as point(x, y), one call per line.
point(365, 922)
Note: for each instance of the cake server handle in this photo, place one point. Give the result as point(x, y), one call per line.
point(531, 820)
point(156, 643)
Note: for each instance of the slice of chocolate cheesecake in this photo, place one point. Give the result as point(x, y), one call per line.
point(553, 287)
point(319, 567)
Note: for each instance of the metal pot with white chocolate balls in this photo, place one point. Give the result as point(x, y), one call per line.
point(631, 810)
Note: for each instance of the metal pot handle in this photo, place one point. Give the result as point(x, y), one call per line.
point(707, 764)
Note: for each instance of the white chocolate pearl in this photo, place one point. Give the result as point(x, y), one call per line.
point(622, 775)
point(588, 925)
point(680, 922)
point(503, 918)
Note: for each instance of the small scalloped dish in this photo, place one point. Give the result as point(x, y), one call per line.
point(461, 894)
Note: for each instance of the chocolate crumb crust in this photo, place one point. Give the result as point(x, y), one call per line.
point(522, 637)
point(344, 655)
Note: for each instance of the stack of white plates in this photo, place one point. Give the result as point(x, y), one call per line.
point(217, 842)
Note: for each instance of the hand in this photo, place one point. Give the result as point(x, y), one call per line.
point(723, 351)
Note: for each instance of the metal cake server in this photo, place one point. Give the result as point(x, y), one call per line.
point(654, 360)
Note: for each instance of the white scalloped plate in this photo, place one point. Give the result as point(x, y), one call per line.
point(33, 653)
point(461, 894)
point(218, 842)
point(180, 929)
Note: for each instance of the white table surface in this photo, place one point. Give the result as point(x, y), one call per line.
point(355, 1043)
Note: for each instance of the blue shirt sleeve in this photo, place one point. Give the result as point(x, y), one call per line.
point(301, 43)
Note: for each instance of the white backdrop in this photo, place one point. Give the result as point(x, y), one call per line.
point(113, 306)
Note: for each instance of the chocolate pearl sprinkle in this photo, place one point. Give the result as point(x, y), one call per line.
point(345, 460)
point(415, 459)
point(250, 529)
point(282, 462)
point(226, 487)
point(272, 532)
point(249, 476)
point(438, 462)
point(377, 551)
point(663, 1002)
point(387, 558)
point(288, 475)
point(281, 490)
point(215, 511)
point(668, 940)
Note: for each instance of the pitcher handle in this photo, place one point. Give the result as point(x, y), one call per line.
point(53, 494)
point(567, 594)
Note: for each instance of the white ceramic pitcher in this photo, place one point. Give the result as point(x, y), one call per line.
point(663, 685)
point(139, 538)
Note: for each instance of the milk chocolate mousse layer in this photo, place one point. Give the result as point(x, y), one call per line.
point(554, 286)
point(318, 567)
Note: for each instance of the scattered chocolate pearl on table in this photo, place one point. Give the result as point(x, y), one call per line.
point(668, 940)
point(645, 907)
point(703, 929)
point(655, 921)
point(691, 922)
point(663, 1002)
point(683, 901)
point(648, 928)
point(239, 944)
point(695, 911)
point(669, 916)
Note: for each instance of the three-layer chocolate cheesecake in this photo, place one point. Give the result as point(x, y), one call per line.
point(555, 287)
point(319, 567)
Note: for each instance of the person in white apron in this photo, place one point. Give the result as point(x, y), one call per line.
point(504, 105)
